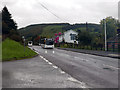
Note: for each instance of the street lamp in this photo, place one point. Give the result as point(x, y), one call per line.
point(105, 35)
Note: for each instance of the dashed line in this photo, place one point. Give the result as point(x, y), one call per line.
point(75, 80)
point(45, 59)
point(50, 63)
point(41, 57)
point(46, 51)
point(53, 51)
point(36, 51)
point(62, 72)
point(55, 67)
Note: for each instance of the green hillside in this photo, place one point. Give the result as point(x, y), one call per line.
point(12, 50)
point(48, 30)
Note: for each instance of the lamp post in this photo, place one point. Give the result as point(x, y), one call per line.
point(105, 35)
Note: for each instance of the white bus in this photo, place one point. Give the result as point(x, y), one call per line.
point(30, 43)
point(48, 43)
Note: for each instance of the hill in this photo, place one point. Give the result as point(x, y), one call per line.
point(48, 30)
point(12, 50)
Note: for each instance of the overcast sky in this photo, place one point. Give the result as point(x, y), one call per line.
point(26, 12)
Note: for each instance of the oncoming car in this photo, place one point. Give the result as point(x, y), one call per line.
point(30, 43)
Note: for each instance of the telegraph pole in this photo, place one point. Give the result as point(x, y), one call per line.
point(105, 35)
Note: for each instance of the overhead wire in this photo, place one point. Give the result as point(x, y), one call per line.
point(49, 10)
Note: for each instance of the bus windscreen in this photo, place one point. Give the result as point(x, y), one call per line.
point(49, 42)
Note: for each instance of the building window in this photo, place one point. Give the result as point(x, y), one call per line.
point(72, 36)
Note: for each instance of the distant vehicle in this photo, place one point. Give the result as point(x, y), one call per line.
point(30, 43)
point(39, 44)
point(48, 43)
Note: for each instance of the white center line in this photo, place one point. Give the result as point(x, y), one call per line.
point(53, 51)
point(46, 51)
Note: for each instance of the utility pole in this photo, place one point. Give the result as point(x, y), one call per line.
point(105, 35)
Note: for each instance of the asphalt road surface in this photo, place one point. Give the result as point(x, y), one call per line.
point(93, 71)
point(55, 68)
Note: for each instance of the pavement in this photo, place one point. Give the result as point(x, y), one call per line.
point(94, 52)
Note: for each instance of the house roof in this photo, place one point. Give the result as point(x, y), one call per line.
point(71, 31)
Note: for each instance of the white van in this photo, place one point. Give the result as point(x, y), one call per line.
point(30, 43)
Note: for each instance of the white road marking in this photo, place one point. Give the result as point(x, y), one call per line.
point(45, 51)
point(50, 63)
point(110, 66)
point(36, 51)
point(55, 67)
point(41, 57)
point(62, 72)
point(46, 60)
point(75, 80)
point(53, 51)
point(72, 79)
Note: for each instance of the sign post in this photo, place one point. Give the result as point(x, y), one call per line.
point(24, 42)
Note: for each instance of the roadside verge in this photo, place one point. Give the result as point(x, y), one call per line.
point(12, 50)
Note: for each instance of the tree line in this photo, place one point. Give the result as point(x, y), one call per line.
point(9, 26)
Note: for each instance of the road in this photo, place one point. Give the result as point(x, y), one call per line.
point(94, 71)
point(36, 73)
point(55, 68)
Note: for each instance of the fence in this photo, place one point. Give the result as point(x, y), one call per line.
point(113, 46)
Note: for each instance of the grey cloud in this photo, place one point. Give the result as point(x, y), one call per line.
point(26, 12)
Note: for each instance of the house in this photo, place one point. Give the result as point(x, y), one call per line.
point(69, 37)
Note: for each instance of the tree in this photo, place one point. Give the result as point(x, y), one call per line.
point(84, 38)
point(7, 22)
point(111, 24)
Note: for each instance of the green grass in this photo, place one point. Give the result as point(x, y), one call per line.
point(12, 50)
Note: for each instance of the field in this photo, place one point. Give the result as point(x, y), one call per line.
point(12, 50)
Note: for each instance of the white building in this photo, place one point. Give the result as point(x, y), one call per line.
point(69, 37)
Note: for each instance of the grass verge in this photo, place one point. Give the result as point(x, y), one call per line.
point(12, 50)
